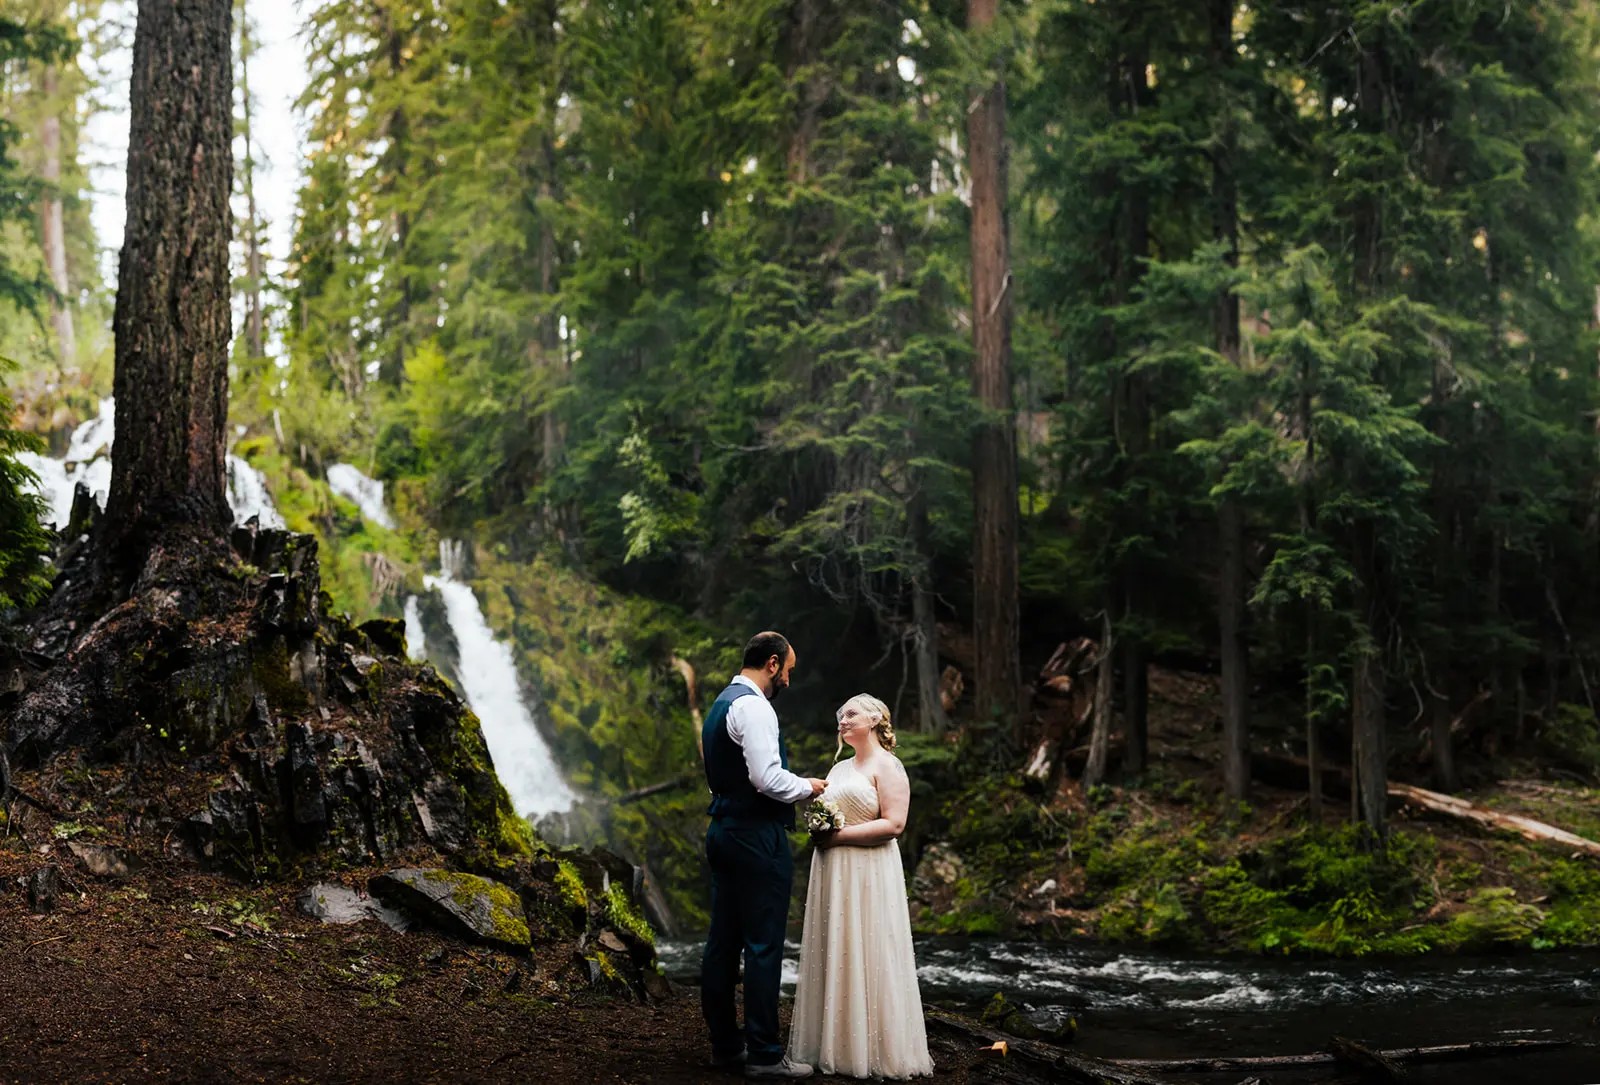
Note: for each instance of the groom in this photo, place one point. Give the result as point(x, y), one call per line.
point(752, 870)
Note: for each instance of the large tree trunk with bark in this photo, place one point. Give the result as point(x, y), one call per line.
point(172, 315)
point(52, 222)
point(997, 671)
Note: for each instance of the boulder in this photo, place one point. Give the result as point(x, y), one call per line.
point(464, 905)
point(102, 862)
point(333, 903)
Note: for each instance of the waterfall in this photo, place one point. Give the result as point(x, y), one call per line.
point(488, 673)
point(85, 461)
point(416, 641)
point(367, 493)
point(88, 461)
point(247, 495)
point(486, 667)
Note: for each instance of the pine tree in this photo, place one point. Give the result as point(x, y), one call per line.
point(835, 321)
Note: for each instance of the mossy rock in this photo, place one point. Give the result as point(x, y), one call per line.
point(465, 905)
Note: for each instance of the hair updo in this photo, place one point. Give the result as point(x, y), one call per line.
point(876, 709)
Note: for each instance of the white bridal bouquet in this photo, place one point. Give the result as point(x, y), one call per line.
point(823, 816)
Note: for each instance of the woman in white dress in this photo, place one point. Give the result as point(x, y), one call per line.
point(857, 1010)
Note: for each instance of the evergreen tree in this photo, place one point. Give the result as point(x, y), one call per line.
point(834, 329)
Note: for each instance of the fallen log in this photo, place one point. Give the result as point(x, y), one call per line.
point(1032, 1060)
point(1482, 1049)
point(1529, 829)
point(635, 795)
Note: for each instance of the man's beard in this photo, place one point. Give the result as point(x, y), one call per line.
point(777, 688)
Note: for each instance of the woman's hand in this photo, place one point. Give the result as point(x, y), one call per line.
point(825, 840)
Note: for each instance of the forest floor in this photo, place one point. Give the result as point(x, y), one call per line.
point(1165, 859)
point(169, 975)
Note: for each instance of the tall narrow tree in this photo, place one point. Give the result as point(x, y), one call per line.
point(172, 314)
point(52, 220)
point(1231, 589)
point(254, 318)
point(998, 676)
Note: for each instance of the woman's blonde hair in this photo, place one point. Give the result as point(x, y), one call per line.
point(874, 708)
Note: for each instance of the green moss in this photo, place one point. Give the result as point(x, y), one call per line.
point(270, 669)
point(621, 914)
point(570, 885)
point(505, 907)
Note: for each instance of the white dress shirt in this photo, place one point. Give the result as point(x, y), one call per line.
point(753, 724)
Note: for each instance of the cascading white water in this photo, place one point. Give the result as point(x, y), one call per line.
point(88, 460)
point(488, 675)
point(85, 461)
point(367, 493)
point(416, 641)
point(247, 495)
point(487, 671)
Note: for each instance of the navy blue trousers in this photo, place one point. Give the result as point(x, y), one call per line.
point(752, 873)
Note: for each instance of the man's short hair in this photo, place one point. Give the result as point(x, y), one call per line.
point(762, 647)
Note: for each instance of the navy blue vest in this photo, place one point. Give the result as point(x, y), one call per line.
point(732, 793)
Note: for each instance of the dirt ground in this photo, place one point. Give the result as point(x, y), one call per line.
point(176, 976)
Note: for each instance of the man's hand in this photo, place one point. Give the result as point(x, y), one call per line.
point(817, 786)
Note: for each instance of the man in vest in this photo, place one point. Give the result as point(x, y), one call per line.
point(752, 870)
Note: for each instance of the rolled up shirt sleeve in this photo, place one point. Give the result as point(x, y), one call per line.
point(753, 724)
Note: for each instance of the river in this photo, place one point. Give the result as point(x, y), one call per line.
point(1135, 1004)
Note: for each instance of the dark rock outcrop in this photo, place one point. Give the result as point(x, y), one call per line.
point(323, 737)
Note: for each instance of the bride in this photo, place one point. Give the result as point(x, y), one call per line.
point(857, 1010)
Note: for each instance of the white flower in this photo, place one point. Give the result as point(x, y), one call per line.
point(823, 816)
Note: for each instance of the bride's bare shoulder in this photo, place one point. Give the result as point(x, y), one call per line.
point(890, 764)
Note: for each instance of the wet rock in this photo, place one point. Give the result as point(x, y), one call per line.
point(308, 806)
point(441, 808)
point(334, 903)
point(465, 905)
point(102, 862)
point(44, 888)
point(1007, 1017)
point(939, 868)
point(388, 635)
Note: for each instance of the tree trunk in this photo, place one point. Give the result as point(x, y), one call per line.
point(254, 320)
point(1130, 93)
point(1135, 704)
point(172, 316)
point(930, 706)
point(1369, 755)
point(392, 368)
point(1235, 649)
point(997, 671)
point(53, 226)
point(1094, 772)
point(1235, 652)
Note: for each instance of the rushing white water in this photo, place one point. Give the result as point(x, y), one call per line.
point(88, 460)
point(489, 678)
point(367, 493)
point(247, 495)
point(416, 641)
